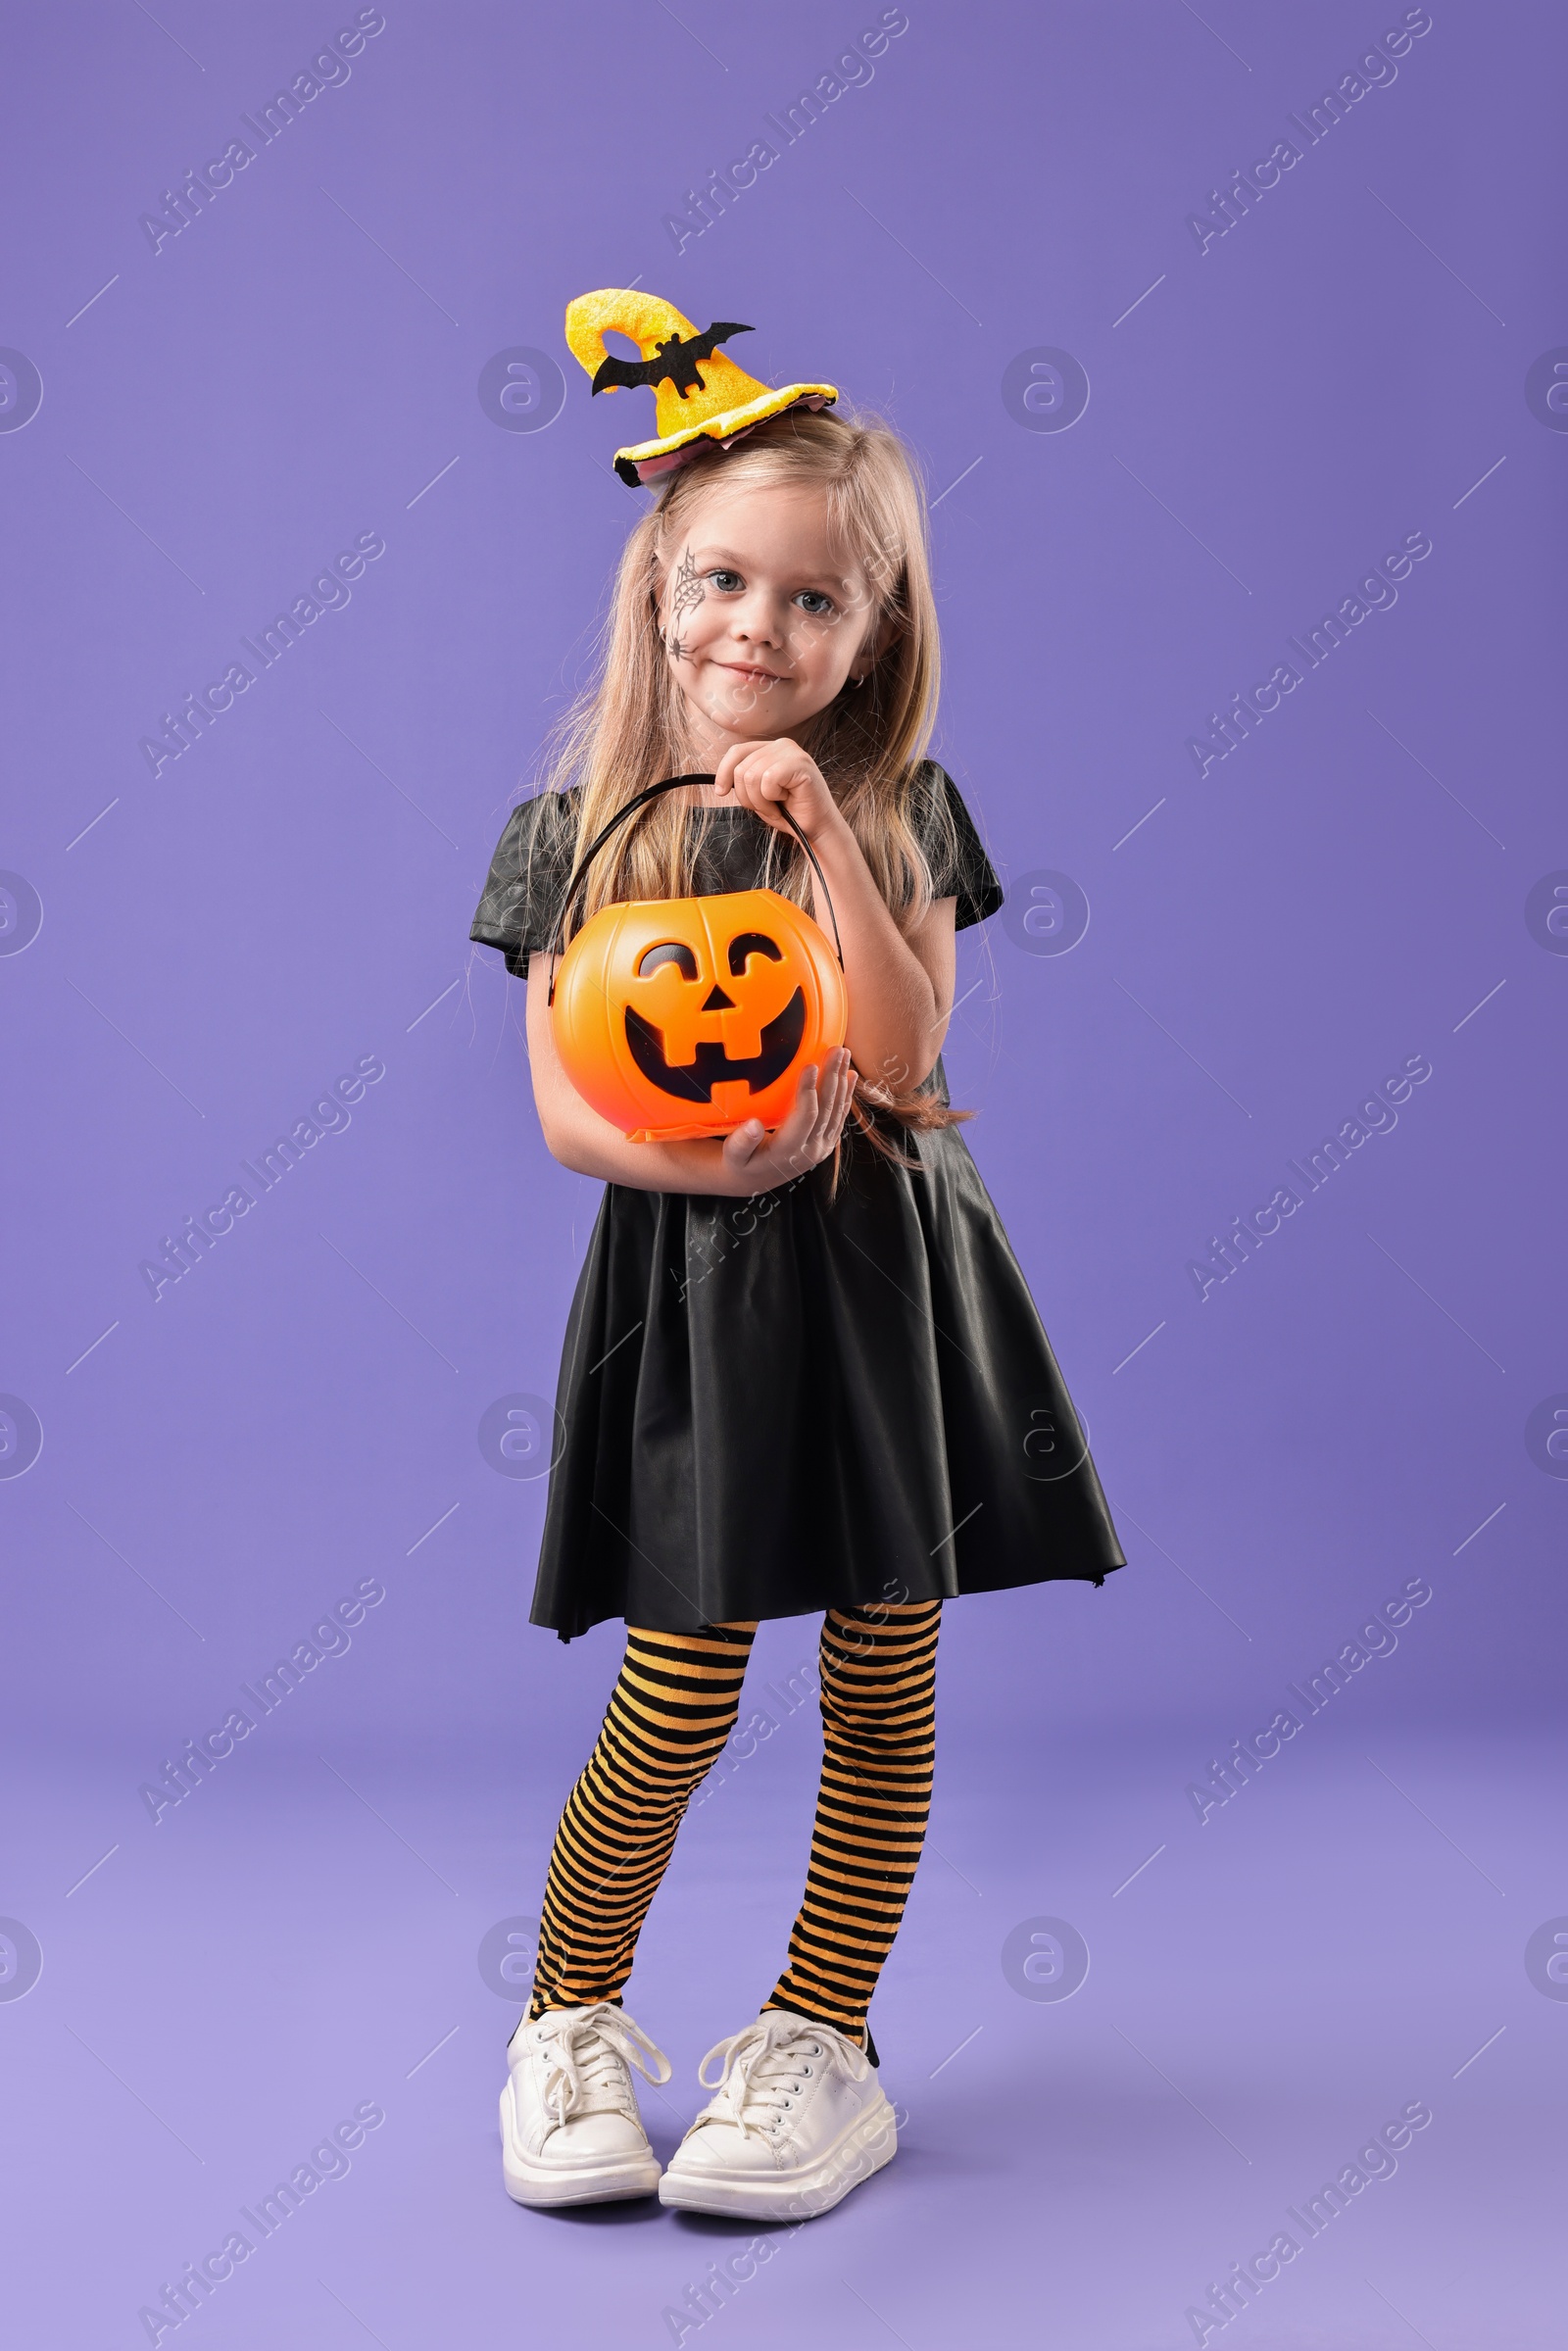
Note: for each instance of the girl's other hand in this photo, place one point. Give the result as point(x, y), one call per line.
point(765, 777)
point(758, 1161)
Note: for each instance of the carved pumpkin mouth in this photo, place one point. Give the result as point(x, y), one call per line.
point(695, 1083)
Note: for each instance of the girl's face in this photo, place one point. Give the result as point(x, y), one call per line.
point(762, 619)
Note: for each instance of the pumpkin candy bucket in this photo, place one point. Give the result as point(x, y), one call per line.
point(682, 1017)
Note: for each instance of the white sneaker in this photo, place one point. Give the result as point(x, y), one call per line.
point(800, 2119)
point(570, 2132)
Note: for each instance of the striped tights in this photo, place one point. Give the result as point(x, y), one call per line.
point(673, 1706)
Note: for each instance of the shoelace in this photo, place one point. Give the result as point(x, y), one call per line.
point(586, 2053)
point(763, 2064)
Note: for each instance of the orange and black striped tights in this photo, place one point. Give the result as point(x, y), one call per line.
point(673, 1706)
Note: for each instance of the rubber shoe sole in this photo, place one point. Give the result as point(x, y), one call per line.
point(541, 2183)
point(870, 2143)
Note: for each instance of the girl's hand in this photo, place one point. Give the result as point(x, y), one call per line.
point(767, 776)
point(758, 1161)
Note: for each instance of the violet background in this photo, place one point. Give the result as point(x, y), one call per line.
point(301, 1412)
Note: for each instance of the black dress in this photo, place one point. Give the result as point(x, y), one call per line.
point(777, 1406)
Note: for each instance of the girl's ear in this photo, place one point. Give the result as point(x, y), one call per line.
point(886, 633)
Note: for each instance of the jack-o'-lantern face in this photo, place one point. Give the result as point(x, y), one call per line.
point(689, 1030)
point(685, 1016)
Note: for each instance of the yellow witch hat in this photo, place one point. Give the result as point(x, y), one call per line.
point(700, 392)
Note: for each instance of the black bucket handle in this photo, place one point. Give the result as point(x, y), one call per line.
point(672, 784)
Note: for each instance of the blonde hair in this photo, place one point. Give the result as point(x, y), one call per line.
point(625, 730)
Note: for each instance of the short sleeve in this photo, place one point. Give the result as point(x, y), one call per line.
point(959, 865)
point(520, 906)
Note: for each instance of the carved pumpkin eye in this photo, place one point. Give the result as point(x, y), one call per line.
point(673, 951)
point(751, 943)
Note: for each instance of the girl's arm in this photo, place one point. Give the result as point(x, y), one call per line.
point(736, 1167)
point(899, 983)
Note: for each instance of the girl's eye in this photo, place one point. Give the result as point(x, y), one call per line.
point(816, 602)
point(727, 582)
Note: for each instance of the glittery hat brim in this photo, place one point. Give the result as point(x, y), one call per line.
point(646, 461)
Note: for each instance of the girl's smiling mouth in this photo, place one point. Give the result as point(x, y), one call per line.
point(752, 670)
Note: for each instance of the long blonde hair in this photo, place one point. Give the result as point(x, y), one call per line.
point(625, 730)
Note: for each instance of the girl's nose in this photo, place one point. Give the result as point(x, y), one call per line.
point(758, 621)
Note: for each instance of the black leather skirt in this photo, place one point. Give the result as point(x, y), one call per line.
point(815, 1398)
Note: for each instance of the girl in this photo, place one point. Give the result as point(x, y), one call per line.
point(802, 1371)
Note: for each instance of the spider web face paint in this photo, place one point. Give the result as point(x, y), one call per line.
point(686, 589)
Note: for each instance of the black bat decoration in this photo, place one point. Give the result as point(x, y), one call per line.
point(676, 360)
